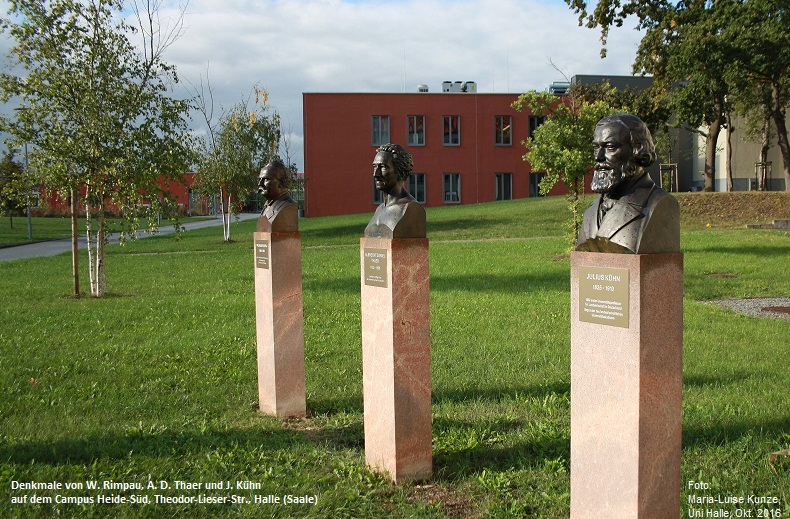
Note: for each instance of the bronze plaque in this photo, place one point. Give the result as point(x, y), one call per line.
point(262, 254)
point(603, 296)
point(375, 267)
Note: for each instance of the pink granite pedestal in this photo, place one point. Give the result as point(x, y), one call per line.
point(626, 385)
point(396, 357)
point(279, 323)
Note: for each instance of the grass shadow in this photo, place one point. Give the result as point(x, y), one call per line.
point(89, 449)
point(485, 446)
point(712, 434)
point(714, 381)
point(505, 283)
point(498, 395)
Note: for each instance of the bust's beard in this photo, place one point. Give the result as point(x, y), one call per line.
point(605, 180)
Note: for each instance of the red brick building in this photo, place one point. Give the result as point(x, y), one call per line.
point(180, 191)
point(467, 147)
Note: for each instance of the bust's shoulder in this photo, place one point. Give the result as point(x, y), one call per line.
point(404, 219)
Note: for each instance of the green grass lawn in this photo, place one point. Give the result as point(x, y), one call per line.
point(157, 381)
point(13, 231)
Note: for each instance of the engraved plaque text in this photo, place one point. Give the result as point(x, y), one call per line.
point(374, 267)
point(603, 296)
point(262, 254)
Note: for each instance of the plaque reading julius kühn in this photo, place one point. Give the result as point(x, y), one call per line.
point(603, 296)
point(262, 254)
point(375, 265)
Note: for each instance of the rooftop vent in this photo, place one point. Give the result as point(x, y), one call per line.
point(559, 87)
point(459, 86)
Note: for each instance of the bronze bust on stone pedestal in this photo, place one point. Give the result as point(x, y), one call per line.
point(400, 215)
point(280, 212)
point(633, 214)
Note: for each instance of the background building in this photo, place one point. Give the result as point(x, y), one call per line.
point(467, 147)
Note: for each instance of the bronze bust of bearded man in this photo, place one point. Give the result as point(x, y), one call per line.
point(633, 214)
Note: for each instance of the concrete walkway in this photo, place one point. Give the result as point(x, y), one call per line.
point(55, 247)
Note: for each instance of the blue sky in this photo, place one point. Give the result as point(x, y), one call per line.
point(295, 46)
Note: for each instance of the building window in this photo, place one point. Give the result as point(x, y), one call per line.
point(452, 188)
point(417, 186)
point(378, 196)
point(534, 122)
point(416, 128)
point(504, 186)
point(452, 130)
point(534, 183)
point(380, 130)
point(502, 130)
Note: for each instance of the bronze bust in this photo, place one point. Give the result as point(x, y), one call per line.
point(280, 212)
point(400, 215)
point(633, 214)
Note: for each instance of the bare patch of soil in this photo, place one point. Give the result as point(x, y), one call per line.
point(454, 502)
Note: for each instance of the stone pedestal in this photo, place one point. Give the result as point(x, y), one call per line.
point(626, 384)
point(396, 357)
point(279, 323)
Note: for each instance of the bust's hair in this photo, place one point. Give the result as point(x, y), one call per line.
point(282, 173)
point(641, 140)
point(401, 159)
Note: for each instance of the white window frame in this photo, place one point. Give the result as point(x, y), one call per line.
point(379, 130)
point(451, 196)
point(505, 180)
point(503, 130)
point(451, 138)
point(418, 179)
point(416, 137)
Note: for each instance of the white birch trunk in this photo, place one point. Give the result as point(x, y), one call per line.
point(230, 214)
point(101, 277)
point(89, 233)
point(222, 212)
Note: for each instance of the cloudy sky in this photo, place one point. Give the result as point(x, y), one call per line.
point(293, 46)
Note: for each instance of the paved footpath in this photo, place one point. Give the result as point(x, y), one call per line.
point(55, 247)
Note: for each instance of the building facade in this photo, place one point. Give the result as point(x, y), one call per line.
point(749, 171)
point(467, 147)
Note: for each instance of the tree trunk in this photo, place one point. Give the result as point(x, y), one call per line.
point(101, 277)
point(89, 235)
point(781, 132)
point(75, 251)
point(230, 215)
point(728, 153)
point(711, 139)
point(222, 212)
point(763, 158)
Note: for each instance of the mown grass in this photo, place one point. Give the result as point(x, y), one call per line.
point(157, 381)
point(13, 231)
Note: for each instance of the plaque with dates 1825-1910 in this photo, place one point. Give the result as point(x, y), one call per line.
point(603, 296)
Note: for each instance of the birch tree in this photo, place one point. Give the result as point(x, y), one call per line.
point(94, 104)
point(243, 140)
